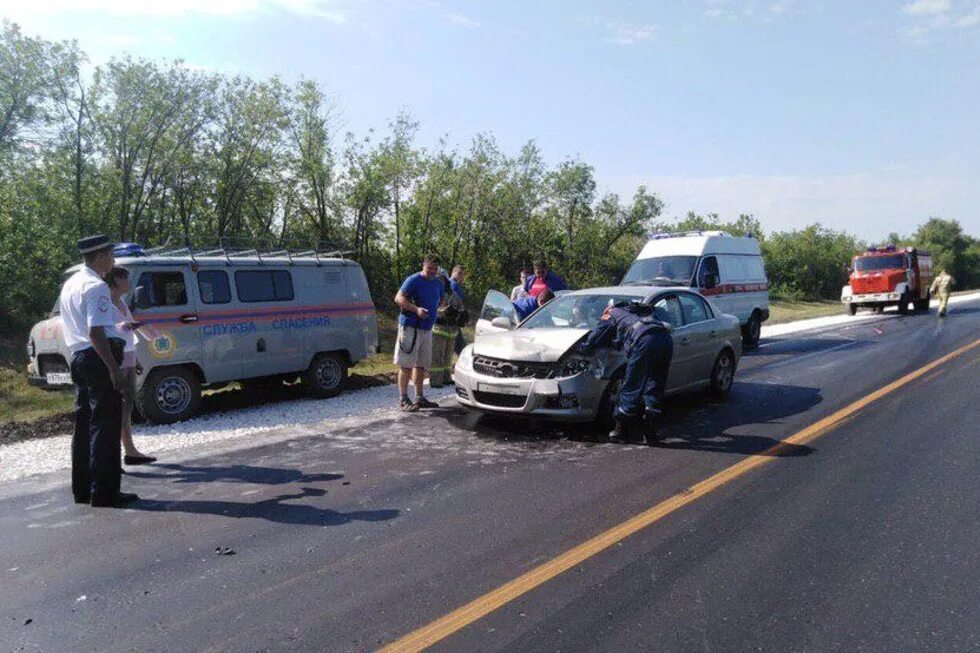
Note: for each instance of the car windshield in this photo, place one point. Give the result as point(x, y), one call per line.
point(573, 311)
point(875, 263)
point(661, 271)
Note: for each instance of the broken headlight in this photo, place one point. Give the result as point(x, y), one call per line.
point(572, 366)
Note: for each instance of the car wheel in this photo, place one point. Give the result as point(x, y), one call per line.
point(607, 407)
point(169, 395)
point(752, 330)
point(852, 309)
point(723, 374)
point(326, 375)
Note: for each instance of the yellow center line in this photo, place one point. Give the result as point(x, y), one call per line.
point(480, 607)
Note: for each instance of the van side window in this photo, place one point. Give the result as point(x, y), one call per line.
point(213, 286)
point(264, 285)
point(695, 309)
point(709, 266)
point(164, 288)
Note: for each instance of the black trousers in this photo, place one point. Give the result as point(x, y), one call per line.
point(646, 375)
point(95, 464)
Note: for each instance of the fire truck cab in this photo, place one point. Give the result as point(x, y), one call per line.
point(889, 276)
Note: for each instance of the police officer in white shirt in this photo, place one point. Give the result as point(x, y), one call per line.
point(86, 311)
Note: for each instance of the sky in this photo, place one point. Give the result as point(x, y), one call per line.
point(862, 115)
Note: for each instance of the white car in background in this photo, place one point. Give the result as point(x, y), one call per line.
point(531, 369)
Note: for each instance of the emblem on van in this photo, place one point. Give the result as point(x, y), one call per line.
point(163, 345)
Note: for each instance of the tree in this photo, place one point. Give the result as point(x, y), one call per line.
point(948, 245)
point(808, 263)
point(312, 160)
point(399, 164)
point(244, 149)
point(145, 116)
point(25, 84)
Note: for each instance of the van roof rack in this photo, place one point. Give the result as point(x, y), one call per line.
point(319, 252)
point(686, 234)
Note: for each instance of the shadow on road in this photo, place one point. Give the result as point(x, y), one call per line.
point(690, 421)
point(274, 510)
point(231, 474)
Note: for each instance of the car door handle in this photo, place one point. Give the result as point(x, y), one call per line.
point(713, 334)
point(187, 319)
point(684, 340)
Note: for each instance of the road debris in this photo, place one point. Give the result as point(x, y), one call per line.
point(224, 551)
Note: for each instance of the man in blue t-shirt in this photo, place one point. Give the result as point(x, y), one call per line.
point(418, 298)
point(527, 305)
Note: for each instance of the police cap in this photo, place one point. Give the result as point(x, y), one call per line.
point(96, 243)
point(639, 307)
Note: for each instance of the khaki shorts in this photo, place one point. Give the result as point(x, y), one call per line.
point(413, 348)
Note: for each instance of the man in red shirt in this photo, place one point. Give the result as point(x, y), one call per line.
point(543, 278)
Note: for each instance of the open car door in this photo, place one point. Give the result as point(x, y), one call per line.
point(498, 314)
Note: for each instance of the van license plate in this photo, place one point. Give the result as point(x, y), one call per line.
point(500, 389)
point(58, 378)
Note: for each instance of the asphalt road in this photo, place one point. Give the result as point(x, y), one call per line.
point(863, 539)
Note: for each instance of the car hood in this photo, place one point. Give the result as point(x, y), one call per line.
point(528, 345)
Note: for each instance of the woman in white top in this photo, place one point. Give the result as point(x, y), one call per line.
point(518, 290)
point(125, 329)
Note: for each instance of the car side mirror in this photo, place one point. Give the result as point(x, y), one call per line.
point(710, 281)
point(502, 322)
point(141, 298)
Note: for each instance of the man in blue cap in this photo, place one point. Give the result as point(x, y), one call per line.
point(633, 328)
point(86, 314)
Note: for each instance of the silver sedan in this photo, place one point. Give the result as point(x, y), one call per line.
point(529, 368)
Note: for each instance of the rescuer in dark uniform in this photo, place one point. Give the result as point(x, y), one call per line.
point(632, 328)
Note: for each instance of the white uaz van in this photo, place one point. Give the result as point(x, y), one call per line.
point(209, 318)
point(726, 269)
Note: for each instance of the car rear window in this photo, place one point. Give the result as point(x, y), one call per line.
point(264, 285)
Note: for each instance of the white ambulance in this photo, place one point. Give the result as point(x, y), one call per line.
point(726, 269)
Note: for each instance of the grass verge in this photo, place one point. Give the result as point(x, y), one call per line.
point(783, 311)
point(20, 402)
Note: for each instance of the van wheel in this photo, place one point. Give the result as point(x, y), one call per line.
point(752, 330)
point(723, 374)
point(326, 375)
point(169, 395)
point(852, 309)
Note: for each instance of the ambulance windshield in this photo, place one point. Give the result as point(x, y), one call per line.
point(661, 271)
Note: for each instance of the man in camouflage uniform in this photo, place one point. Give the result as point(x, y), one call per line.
point(942, 285)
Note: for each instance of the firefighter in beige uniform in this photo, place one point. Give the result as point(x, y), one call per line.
point(942, 285)
point(444, 333)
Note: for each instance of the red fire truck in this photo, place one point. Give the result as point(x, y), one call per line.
point(889, 276)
